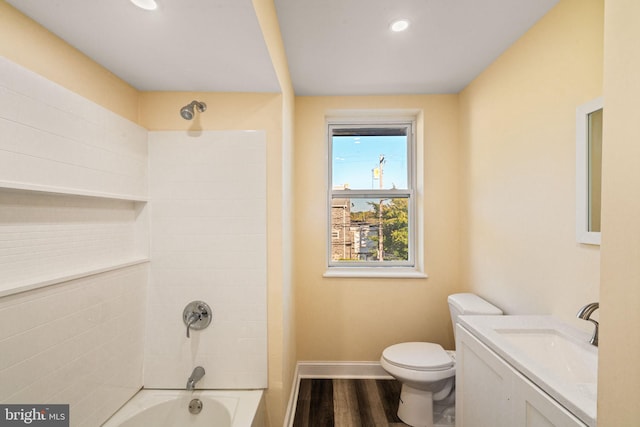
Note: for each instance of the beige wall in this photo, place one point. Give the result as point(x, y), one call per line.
point(518, 143)
point(619, 372)
point(25, 42)
point(355, 319)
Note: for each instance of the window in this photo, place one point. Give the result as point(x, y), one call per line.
point(371, 195)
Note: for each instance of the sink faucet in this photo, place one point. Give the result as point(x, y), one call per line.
point(196, 376)
point(585, 314)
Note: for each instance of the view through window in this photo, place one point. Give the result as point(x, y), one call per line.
point(371, 195)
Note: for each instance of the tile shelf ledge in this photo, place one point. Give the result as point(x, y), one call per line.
point(30, 285)
point(67, 191)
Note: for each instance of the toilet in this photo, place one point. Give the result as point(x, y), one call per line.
point(427, 371)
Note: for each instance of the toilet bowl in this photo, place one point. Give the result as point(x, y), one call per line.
point(427, 374)
point(427, 371)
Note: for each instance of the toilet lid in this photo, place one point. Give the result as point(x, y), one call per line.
point(420, 356)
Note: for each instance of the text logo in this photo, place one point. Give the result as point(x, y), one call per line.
point(34, 415)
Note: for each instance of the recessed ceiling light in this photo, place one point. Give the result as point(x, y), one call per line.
point(399, 25)
point(145, 4)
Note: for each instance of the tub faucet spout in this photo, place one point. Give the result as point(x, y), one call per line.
point(585, 314)
point(196, 376)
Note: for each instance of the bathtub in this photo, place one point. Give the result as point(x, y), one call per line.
point(170, 408)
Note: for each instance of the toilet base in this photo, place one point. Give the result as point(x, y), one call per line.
point(444, 415)
point(416, 408)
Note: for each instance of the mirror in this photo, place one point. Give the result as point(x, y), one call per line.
point(588, 171)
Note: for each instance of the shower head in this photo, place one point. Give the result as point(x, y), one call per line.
point(188, 110)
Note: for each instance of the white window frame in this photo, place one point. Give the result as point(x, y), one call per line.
point(413, 267)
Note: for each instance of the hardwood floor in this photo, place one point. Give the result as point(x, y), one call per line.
point(347, 403)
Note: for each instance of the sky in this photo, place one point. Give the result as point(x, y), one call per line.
point(354, 157)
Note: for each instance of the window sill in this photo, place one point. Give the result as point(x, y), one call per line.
point(376, 272)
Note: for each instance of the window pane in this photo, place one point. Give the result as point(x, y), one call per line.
point(368, 229)
point(361, 161)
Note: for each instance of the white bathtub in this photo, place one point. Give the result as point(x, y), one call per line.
point(170, 408)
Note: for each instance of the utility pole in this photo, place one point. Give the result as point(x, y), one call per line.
point(380, 234)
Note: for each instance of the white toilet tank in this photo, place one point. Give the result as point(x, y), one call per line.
point(469, 304)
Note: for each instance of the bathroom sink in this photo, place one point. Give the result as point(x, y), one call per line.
point(552, 354)
point(559, 354)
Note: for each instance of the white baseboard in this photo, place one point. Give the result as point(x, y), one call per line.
point(341, 370)
point(330, 370)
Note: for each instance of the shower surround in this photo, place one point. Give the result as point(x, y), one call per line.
point(73, 249)
point(208, 242)
point(74, 240)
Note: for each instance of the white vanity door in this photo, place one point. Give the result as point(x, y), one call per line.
point(491, 393)
point(534, 408)
point(484, 385)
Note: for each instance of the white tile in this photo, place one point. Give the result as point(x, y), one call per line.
point(68, 141)
point(208, 216)
point(90, 349)
point(82, 341)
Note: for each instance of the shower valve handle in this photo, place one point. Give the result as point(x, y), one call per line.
point(192, 319)
point(196, 315)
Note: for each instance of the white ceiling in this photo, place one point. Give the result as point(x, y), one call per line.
point(184, 45)
point(345, 46)
point(334, 47)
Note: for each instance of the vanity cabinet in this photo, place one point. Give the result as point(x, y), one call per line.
point(491, 393)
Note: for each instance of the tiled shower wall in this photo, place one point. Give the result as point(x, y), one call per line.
point(78, 343)
point(73, 245)
point(73, 179)
point(208, 227)
point(56, 139)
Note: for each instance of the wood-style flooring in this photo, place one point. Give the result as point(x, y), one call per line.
point(347, 403)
